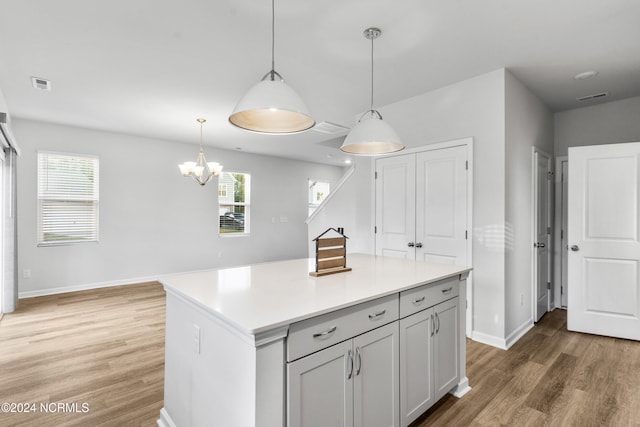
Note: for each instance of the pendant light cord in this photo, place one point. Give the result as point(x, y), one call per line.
point(273, 39)
point(372, 73)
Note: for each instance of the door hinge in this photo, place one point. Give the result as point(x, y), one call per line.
point(549, 286)
point(466, 165)
point(466, 234)
point(561, 234)
point(375, 229)
point(375, 175)
point(548, 230)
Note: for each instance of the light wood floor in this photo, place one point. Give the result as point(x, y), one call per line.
point(550, 377)
point(106, 348)
point(103, 347)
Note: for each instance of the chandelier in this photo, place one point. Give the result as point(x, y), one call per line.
point(201, 170)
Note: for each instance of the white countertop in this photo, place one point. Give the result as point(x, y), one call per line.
point(260, 297)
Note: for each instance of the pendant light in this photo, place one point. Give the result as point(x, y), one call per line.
point(372, 136)
point(271, 106)
point(201, 170)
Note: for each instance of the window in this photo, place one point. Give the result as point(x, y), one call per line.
point(318, 191)
point(234, 202)
point(67, 198)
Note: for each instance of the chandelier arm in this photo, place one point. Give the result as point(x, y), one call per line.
point(273, 37)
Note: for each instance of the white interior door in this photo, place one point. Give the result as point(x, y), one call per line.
point(396, 206)
point(441, 205)
point(604, 197)
point(542, 233)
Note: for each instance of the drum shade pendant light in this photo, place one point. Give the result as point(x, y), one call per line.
point(201, 170)
point(271, 106)
point(372, 136)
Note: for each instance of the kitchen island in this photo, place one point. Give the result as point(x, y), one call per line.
point(268, 345)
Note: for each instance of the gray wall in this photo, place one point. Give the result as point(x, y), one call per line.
point(153, 221)
point(608, 123)
point(529, 123)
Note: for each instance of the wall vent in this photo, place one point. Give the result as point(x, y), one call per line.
point(594, 96)
point(330, 128)
point(41, 84)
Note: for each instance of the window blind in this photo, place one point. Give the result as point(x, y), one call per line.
point(67, 198)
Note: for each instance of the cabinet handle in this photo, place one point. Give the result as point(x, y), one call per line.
point(433, 326)
point(446, 291)
point(417, 301)
point(325, 333)
point(358, 361)
point(375, 316)
point(437, 323)
point(350, 361)
point(411, 244)
point(418, 245)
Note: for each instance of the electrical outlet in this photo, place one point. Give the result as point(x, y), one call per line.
point(196, 338)
point(26, 273)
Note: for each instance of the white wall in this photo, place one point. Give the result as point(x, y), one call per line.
point(348, 208)
point(528, 123)
point(608, 123)
point(152, 220)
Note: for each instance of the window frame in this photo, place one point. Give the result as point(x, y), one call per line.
point(246, 204)
point(92, 199)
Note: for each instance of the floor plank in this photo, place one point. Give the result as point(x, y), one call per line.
point(103, 348)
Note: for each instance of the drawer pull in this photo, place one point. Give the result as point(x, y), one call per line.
point(446, 291)
point(417, 301)
point(325, 333)
point(377, 315)
point(358, 361)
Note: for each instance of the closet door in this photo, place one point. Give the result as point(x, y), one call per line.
point(441, 205)
point(396, 206)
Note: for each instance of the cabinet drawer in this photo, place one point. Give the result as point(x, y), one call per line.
point(415, 300)
point(311, 335)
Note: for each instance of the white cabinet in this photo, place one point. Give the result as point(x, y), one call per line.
point(353, 383)
point(430, 357)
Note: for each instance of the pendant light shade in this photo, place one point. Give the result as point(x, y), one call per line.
point(271, 106)
point(372, 136)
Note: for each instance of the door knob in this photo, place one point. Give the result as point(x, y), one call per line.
point(418, 245)
point(575, 248)
point(410, 244)
point(539, 245)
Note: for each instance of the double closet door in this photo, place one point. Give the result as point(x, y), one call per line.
point(421, 206)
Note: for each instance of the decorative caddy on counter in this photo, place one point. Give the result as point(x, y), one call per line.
point(331, 253)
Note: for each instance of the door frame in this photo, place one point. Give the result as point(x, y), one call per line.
point(534, 232)
point(558, 232)
point(468, 143)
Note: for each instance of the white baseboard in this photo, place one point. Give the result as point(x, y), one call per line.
point(462, 388)
point(519, 332)
point(491, 340)
point(84, 287)
point(165, 420)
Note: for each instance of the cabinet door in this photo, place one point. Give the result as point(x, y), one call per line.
point(376, 382)
point(416, 359)
point(320, 388)
point(446, 347)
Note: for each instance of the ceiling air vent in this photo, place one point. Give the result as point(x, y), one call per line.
point(594, 96)
point(41, 84)
point(330, 128)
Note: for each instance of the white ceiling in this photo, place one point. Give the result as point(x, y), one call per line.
point(151, 67)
